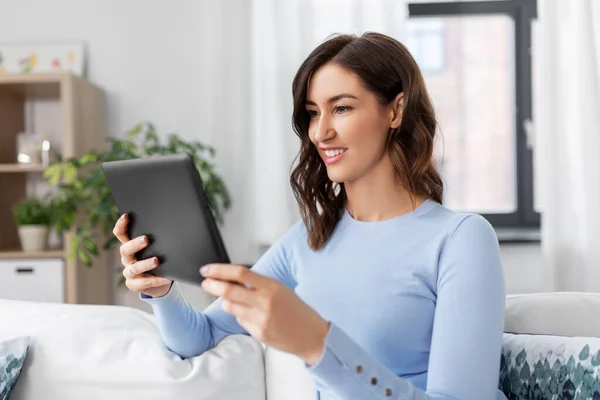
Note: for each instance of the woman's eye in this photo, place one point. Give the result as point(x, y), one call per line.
point(312, 113)
point(340, 109)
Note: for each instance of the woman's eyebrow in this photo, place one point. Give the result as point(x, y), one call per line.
point(333, 99)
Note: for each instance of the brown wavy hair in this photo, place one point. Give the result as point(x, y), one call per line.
point(386, 68)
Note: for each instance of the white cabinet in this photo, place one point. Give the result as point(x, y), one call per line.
point(32, 279)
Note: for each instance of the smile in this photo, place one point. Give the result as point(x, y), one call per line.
point(332, 156)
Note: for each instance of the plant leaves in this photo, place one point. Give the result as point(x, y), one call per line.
point(90, 157)
point(69, 173)
point(110, 243)
point(91, 247)
point(83, 256)
point(52, 173)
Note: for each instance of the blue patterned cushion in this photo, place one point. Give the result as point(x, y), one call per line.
point(539, 367)
point(12, 357)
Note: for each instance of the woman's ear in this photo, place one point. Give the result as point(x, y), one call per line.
point(397, 110)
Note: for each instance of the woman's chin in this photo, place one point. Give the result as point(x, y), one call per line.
point(337, 176)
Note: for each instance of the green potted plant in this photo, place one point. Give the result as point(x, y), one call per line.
point(33, 218)
point(83, 203)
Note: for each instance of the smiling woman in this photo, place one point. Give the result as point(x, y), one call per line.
point(381, 290)
point(350, 97)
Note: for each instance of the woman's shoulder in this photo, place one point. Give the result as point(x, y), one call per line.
point(469, 249)
point(466, 235)
point(460, 222)
point(294, 235)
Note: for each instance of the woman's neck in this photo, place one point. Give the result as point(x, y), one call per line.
point(378, 196)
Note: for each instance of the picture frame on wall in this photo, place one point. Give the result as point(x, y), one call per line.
point(26, 58)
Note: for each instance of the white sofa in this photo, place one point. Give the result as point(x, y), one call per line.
point(114, 352)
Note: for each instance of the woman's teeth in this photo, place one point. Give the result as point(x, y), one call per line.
point(333, 153)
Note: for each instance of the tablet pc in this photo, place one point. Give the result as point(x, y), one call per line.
point(165, 199)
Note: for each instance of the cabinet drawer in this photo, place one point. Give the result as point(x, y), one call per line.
point(32, 280)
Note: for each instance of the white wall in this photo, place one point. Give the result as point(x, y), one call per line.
point(523, 268)
point(147, 55)
point(157, 61)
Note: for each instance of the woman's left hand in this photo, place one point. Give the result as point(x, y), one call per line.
point(268, 310)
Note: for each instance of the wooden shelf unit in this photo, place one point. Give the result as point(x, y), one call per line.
point(21, 168)
point(18, 254)
point(83, 128)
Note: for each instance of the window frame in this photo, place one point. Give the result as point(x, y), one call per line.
point(523, 224)
point(444, 62)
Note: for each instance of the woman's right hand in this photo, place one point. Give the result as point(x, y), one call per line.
point(135, 271)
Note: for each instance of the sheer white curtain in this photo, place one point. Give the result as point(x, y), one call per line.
point(567, 98)
point(283, 34)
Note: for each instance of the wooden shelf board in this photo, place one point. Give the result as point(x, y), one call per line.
point(13, 78)
point(40, 85)
point(6, 254)
point(21, 168)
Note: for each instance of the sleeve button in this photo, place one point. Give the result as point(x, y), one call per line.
point(359, 369)
point(373, 381)
point(388, 392)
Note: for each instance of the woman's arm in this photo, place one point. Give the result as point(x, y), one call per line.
point(189, 332)
point(466, 342)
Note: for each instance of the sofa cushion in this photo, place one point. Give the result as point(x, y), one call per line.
point(287, 377)
point(12, 357)
point(114, 352)
point(557, 313)
point(550, 367)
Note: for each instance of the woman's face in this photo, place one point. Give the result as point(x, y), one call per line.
point(347, 124)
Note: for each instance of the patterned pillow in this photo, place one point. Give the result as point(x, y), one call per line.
point(540, 367)
point(12, 357)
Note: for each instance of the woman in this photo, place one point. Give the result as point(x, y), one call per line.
point(381, 290)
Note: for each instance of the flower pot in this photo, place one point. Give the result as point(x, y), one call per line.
point(33, 237)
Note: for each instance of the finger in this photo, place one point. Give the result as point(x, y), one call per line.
point(131, 247)
point(140, 284)
point(120, 229)
point(243, 316)
point(142, 266)
point(252, 329)
point(236, 273)
point(239, 310)
point(235, 293)
point(126, 273)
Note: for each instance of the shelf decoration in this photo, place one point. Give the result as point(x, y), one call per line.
point(42, 57)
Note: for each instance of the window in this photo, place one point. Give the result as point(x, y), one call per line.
point(476, 62)
point(426, 40)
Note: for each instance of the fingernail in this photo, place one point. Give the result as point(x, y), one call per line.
point(204, 270)
point(143, 239)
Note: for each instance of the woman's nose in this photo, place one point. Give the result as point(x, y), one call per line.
point(324, 130)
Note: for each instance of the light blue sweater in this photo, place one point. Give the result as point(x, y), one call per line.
point(416, 305)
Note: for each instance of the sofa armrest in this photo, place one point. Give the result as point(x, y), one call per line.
point(114, 352)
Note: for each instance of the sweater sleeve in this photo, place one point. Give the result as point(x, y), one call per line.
point(188, 332)
point(464, 361)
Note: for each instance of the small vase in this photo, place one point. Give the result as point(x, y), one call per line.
point(33, 237)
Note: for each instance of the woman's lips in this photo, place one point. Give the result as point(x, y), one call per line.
point(333, 159)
